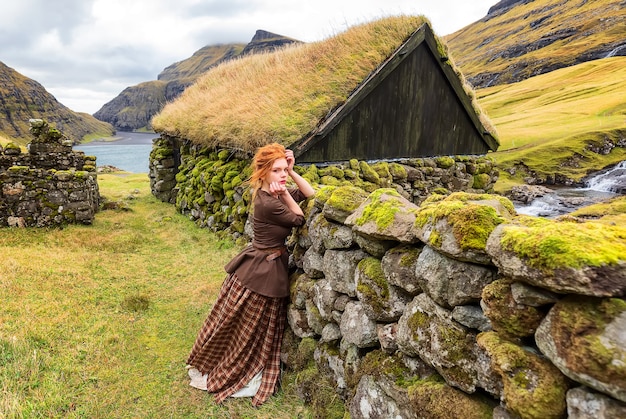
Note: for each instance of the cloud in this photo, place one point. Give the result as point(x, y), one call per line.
point(85, 52)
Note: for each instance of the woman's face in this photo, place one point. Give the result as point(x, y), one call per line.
point(278, 173)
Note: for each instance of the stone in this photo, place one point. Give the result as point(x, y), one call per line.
point(428, 331)
point(506, 316)
point(331, 364)
point(532, 386)
point(381, 300)
point(399, 265)
point(371, 400)
point(385, 215)
point(298, 323)
point(327, 234)
point(471, 317)
point(450, 282)
point(532, 296)
point(583, 403)
point(313, 263)
point(374, 247)
point(458, 225)
point(387, 337)
point(433, 398)
point(324, 298)
point(330, 333)
point(339, 267)
point(356, 328)
point(343, 201)
point(562, 256)
point(586, 339)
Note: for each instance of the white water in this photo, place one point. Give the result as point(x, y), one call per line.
point(604, 185)
point(612, 180)
point(615, 51)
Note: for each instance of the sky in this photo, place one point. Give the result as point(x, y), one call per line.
point(85, 52)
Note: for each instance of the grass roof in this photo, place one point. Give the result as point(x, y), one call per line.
point(281, 96)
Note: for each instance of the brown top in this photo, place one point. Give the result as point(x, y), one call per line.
point(262, 267)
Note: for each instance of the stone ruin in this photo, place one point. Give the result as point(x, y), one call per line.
point(48, 185)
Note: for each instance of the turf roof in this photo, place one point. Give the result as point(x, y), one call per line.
point(283, 95)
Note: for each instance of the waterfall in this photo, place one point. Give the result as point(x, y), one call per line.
point(615, 51)
point(612, 180)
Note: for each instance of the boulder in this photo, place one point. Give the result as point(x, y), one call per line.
point(450, 282)
point(532, 386)
point(586, 339)
point(458, 225)
point(385, 215)
point(562, 256)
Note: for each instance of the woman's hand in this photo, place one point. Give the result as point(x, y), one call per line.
point(276, 189)
point(291, 160)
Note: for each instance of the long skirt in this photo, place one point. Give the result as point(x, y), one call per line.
point(241, 337)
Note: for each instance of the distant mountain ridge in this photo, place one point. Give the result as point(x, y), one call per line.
point(519, 39)
point(135, 106)
point(22, 98)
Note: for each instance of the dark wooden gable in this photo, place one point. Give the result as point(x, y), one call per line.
point(413, 105)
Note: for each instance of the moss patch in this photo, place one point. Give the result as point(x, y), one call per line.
point(549, 244)
point(577, 324)
point(471, 223)
point(533, 387)
point(347, 198)
point(374, 290)
point(381, 212)
point(436, 399)
point(506, 316)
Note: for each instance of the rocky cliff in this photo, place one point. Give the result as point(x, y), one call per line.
point(136, 105)
point(22, 99)
point(519, 39)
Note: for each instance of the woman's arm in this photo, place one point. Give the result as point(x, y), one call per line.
point(304, 186)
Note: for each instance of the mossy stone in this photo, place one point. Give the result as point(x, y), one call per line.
point(444, 162)
point(368, 173)
point(481, 181)
point(551, 244)
point(533, 387)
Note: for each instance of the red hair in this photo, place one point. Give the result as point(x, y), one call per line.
point(263, 162)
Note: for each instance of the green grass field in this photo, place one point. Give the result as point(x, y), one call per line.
point(549, 123)
point(97, 321)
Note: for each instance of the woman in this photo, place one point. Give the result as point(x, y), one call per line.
point(237, 351)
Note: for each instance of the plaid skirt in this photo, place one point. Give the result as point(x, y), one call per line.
point(241, 336)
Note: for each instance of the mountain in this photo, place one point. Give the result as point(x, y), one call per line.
point(22, 98)
point(136, 105)
point(550, 75)
point(519, 39)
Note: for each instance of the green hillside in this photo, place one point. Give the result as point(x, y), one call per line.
point(536, 37)
point(22, 98)
point(562, 125)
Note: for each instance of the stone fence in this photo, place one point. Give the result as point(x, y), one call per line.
point(49, 185)
point(209, 185)
point(459, 307)
point(417, 296)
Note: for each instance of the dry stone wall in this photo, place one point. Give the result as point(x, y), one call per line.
point(459, 307)
point(208, 184)
point(48, 185)
point(415, 294)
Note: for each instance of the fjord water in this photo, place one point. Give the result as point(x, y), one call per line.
point(128, 151)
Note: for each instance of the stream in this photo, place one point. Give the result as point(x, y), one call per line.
point(599, 187)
